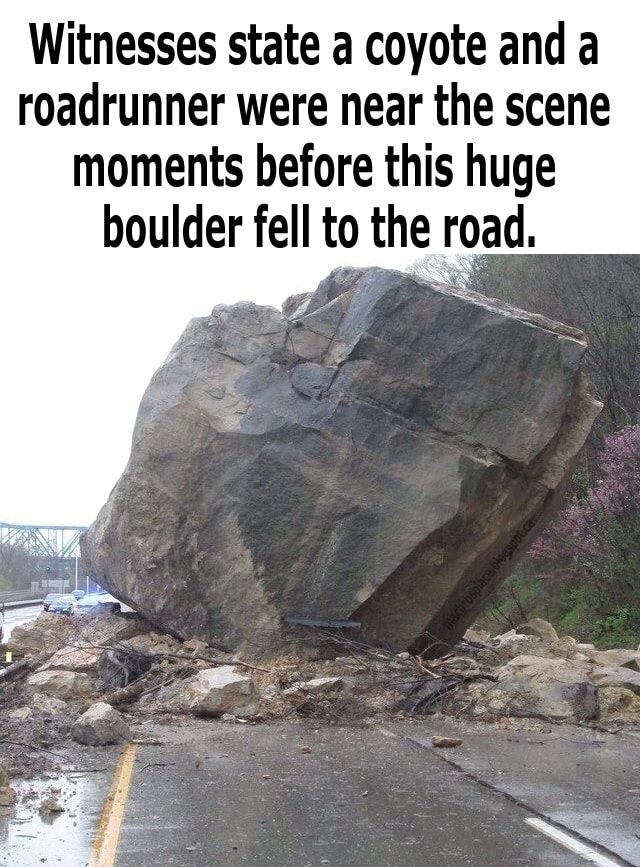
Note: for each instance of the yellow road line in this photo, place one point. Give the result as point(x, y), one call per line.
point(105, 844)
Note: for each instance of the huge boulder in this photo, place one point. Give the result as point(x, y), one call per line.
point(381, 457)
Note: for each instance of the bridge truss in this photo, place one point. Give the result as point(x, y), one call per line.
point(40, 558)
point(54, 543)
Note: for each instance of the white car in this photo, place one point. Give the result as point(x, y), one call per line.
point(97, 602)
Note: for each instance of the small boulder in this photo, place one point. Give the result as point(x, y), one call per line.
point(51, 718)
point(99, 725)
point(45, 634)
point(614, 658)
point(294, 303)
point(565, 647)
point(20, 714)
point(153, 644)
point(49, 706)
point(511, 644)
point(463, 666)
point(7, 796)
point(556, 689)
point(475, 635)
point(51, 806)
point(105, 627)
point(540, 628)
point(443, 742)
point(196, 646)
point(75, 658)
point(616, 704)
point(217, 691)
point(271, 692)
point(624, 678)
point(61, 684)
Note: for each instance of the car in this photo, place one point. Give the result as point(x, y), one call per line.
point(63, 605)
point(49, 599)
point(97, 602)
point(78, 594)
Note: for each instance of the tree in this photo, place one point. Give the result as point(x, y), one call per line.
point(594, 544)
point(16, 567)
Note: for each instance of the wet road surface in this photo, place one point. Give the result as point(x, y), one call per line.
point(583, 779)
point(358, 798)
point(285, 795)
point(29, 838)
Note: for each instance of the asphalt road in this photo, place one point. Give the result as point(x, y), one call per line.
point(290, 795)
point(251, 796)
point(582, 779)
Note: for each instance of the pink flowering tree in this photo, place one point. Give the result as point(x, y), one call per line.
point(596, 539)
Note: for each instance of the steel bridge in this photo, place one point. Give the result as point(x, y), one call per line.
point(51, 543)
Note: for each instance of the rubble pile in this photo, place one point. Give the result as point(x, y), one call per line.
point(95, 680)
point(531, 672)
point(379, 453)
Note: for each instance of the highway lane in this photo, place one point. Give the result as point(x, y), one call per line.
point(298, 795)
point(197, 793)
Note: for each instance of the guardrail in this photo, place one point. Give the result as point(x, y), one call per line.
point(22, 603)
point(20, 595)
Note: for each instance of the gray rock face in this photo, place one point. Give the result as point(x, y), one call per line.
point(381, 457)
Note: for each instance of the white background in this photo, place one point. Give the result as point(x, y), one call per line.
point(82, 328)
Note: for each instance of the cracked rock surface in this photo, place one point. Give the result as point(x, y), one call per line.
point(381, 454)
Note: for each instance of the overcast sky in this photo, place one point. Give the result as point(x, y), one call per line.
point(82, 329)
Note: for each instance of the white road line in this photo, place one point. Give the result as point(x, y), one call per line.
point(571, 843)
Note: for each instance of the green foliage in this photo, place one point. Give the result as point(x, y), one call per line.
point(589, 616)
point(573, 614)
point(619, 629)
point(583, 610)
